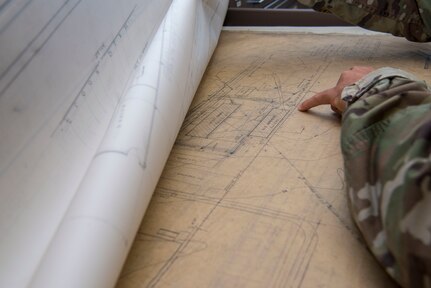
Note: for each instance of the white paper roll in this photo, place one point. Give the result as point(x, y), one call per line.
point(90, 108)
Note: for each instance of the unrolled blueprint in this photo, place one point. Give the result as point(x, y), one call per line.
point(253, 193)
point(92, 95)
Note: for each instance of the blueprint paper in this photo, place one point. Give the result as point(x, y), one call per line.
point(91, 100)
point(253, 193)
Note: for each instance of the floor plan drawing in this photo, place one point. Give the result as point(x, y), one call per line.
point(253, 192)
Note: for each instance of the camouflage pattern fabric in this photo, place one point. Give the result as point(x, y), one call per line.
point(386, 145)
point(407, 18)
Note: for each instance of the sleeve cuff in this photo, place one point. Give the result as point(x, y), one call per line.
point(353, 92)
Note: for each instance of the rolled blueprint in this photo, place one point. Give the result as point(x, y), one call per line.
point(79, 168)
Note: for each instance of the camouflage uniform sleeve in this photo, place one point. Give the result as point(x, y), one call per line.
point(386, 146)
point(407, 18)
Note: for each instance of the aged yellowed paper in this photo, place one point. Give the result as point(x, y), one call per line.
point(253, 192)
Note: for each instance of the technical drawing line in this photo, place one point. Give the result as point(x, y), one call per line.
point(322, 199)
point(93, 72)
point(2, 29)
point(240, 75)
point(272, 214)
point(2, 6)
point(78, 95)
point(122, 153)
point(281, 277)
point(237, 206)
point(315, 236)
point(36, 51)
point(123, 26)
point(181, 248)
point(153, 115)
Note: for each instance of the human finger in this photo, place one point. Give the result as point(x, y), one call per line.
point(321, 98)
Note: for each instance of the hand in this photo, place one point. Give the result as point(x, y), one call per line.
point(332, 96)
